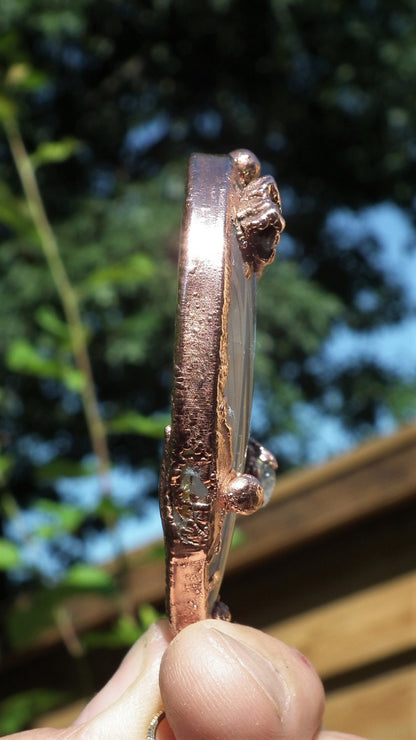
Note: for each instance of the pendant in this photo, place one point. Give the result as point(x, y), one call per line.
point(231, 227)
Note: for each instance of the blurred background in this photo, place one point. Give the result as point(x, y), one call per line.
point(101, 104)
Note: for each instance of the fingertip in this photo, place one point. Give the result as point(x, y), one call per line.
point(219, 679)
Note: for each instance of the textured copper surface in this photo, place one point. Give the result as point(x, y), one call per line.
point(199, 486)
point(259, 221)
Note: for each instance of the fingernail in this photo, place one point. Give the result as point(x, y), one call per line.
point(259, 668)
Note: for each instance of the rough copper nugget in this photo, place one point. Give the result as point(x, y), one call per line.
point(232, 224)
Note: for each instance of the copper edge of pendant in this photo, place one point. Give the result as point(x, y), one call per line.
point(198, 485)
point(259, 220)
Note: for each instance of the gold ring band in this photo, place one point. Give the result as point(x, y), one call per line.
point(151, 733)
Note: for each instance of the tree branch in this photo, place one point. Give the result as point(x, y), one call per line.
point(68, 298)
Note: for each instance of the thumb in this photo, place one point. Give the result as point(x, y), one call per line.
point(224, 680)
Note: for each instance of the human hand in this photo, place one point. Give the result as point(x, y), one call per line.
point(217, 681)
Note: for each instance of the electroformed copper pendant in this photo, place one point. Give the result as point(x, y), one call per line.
point(232, 224)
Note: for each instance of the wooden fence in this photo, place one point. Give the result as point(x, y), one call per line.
point(329, 566)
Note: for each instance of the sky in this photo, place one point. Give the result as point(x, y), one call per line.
point(392, 346)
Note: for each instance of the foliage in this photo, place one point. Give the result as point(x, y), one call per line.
point(106, 101)
point(9, 554)
point(125, 631)
point(44, 608)
point(16, 711)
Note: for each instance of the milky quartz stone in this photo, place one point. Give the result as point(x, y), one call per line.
point(239, 386)
point(267, 475)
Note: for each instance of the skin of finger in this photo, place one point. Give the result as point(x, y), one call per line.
point(134, 687)
point(328, 735)
point(129, 717)
point(149, 648)
point(220, 680)
point(128, 687)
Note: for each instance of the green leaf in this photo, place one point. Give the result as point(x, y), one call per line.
point(89, 577)
point(109, 511)
point(134, 423)
point(14, 213)
point(62, 467)
point(24, 77)
point(72, 378)
point(61, 22)
point(64, 518)
point(9, 43)
point(6, 462)
point(19, 709)
point(239, 538)
point(123, 633)
point(52, 152)
point(155, 552)
point(9, 554)
point(7, 109)
point(49, 320)
point(137, 269)
point(147, 615)
point(23, 358)
point(27, 619)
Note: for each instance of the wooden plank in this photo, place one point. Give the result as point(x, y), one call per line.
point(313, 503)
point(319, 505)
point(381, 708)
point(306, 505)
point(372, 451)
point(300, 554)
point(356, 630)
point(344, 562)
